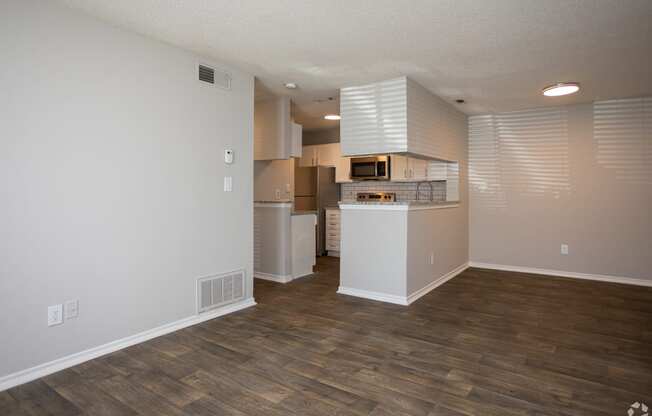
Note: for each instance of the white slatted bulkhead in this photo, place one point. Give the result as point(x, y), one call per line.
point(374, 118)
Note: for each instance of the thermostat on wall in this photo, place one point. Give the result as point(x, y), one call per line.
point(228, 156)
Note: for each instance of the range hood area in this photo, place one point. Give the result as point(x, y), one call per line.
point(399, 116)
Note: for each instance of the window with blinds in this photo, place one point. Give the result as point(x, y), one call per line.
point(518, 153)
point(622, 130)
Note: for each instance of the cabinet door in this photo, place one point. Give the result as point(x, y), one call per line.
point(399, 168)
point(343, 170)
point(327, 154)
point(272, 129)
point(417, 169)
point(297, 139)
point(308, 157)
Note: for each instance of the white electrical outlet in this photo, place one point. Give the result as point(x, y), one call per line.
point(55, 315)
point(432, 258)
point(71, 309)
point(564, 249)
point(228, 184)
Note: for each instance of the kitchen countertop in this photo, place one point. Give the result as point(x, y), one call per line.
point(398, 205)
point(304, 212)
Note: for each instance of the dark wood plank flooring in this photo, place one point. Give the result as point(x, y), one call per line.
point(485, 343)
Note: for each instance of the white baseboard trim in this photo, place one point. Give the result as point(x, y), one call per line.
point(42, 370)
point(561, 273)
point(303, 274)
point(438, 282)
point(402, 300)
point(383, 297)
point(278, 278)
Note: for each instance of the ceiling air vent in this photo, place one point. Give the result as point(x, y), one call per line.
point(216, 77)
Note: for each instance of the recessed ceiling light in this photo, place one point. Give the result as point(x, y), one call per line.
point(291, 85)
point(562, 88)
point(332, 117)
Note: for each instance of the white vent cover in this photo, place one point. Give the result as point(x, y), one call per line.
point(214, 76)
point(218, 290)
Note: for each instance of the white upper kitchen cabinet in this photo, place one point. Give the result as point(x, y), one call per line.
point(320, 155)
point(408, 169)
point(343, 169)
point(309, 156)
point(328, 154)
point(399, 116)
point(272, 129)
point(297, 140)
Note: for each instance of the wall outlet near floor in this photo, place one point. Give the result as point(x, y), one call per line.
point(564, 249)
point(432, 258)
point(55, 315)
point(71, 309)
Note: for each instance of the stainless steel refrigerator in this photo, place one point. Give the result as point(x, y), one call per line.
point(315, 190)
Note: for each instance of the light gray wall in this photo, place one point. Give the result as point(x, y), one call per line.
point(580, 175)
point(272, 249)
point(374, 251)
point(323, 136)
point(111, 178)
point(438, 232)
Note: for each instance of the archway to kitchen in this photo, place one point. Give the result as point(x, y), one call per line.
point(298, 176)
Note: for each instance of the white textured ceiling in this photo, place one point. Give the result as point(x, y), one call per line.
point(497, 55)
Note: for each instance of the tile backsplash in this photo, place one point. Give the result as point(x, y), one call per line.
point(405, 191)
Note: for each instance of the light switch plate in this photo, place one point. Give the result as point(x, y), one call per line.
point(71, 309)
point(228, 184)
point(55, 315)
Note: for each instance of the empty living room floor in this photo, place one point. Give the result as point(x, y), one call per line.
point(485, 343)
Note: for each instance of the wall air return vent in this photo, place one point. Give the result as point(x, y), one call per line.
point(218, 290)
point(214, 76)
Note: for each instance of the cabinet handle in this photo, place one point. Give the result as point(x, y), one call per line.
point(411, 172)
point(405, 175)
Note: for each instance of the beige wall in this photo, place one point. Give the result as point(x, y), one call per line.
point(580, 175)
point(270, 175)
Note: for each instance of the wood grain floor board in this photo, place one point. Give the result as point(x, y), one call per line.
point(485, 343)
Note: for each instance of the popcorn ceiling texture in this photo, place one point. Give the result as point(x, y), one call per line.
point(405, 191)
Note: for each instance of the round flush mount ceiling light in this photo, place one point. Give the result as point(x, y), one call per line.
point(561, 88)
point(291, 85)
point(332, 117)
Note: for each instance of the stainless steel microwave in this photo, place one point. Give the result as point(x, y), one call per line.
point(370, 168)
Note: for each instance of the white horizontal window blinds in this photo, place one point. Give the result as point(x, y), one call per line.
point(622, 130)
point(519, 153)
point(484, 162)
